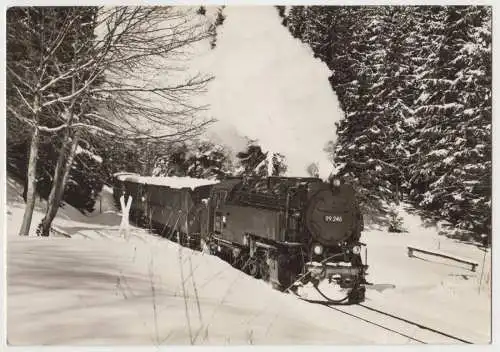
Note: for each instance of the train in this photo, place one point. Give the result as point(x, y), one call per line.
point(289, 231)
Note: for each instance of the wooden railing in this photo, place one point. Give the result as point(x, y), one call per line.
point(442, 255)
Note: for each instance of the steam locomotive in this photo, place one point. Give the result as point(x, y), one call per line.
point(286, 230)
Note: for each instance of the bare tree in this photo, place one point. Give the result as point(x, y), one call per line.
point(114, 88)
point(30, 47)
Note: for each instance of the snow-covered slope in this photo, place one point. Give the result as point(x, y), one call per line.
point(97, 288)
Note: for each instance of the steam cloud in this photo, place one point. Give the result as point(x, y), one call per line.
point(269, 87)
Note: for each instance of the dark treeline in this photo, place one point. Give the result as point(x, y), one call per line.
point(415, 85)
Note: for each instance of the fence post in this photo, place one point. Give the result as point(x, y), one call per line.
point(410, 252)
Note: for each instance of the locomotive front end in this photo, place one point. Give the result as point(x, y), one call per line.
point(334, 222)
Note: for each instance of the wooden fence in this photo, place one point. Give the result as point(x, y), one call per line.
point(411, 250)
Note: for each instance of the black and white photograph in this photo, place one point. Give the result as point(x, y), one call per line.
point(234, 174)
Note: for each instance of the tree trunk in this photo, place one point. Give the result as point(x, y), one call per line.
point(58, 183)
point(31, 184)
point(397, 193)
point(63, 169)
point(52, 201)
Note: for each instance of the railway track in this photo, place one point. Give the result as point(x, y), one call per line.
point(413, 331)
point(418, 325)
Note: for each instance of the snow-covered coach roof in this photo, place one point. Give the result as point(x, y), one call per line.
point(124, 173)
point(172, 182)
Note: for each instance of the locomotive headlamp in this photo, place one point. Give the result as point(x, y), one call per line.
point(336, 182)
point(356, 249)
point(318, 249)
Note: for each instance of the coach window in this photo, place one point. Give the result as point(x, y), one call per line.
point(220, 198)
point(218, 222)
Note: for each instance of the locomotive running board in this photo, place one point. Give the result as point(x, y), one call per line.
point(328, 269)
point(291, 244)
point(222, 240)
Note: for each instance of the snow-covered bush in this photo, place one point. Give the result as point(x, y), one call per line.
point(396, 223)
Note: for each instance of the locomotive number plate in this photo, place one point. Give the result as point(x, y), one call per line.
point(333, 218)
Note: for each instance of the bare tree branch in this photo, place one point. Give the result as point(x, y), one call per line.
point(32, 109)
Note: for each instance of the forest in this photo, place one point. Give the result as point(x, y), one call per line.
point(414, 83)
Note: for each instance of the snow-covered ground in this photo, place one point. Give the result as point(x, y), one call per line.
point(96, 288)
point(436, 292)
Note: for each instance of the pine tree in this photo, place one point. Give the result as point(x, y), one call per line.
point(296, 21)
point(209, 160)
point(279, 164)
point(255, 162)
point(252, 160)
point(452, 173)
point(219, 21)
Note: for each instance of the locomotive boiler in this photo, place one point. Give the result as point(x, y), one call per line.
point(288, 231)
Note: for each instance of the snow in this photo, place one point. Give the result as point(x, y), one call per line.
point(449, 160)
point(458, 197)
point(375, 130)
point(431, 288)
point(80, 150)
point(439, 152)
point(96, 288)
point(172, 181)
point(469, 112)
